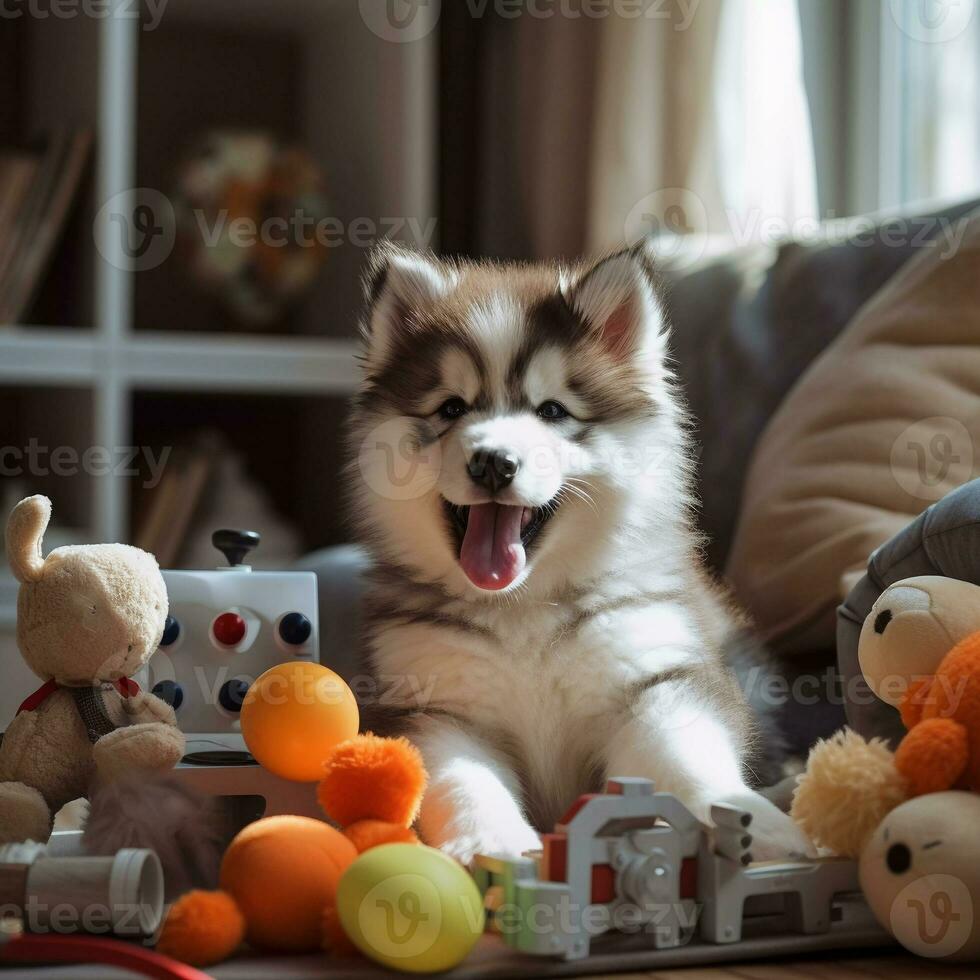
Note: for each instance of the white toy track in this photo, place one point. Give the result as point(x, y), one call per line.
point(225, 628)
point(634, 859)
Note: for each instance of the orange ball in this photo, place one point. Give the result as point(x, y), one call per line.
point(283, 873)
point(293, 716)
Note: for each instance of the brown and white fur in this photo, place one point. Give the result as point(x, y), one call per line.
point(605, 654)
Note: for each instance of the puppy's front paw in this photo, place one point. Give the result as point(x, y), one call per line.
point(506, 842)
point(774, 834)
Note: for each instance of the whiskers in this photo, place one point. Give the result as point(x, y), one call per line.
point(579, 489)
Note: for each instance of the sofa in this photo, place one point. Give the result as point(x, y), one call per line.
point(747, 325)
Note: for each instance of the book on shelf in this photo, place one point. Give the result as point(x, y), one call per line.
point(162, 527)
point(37, 190)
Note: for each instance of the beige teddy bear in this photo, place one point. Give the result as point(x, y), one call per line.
point(911, 627)
point(88, 617)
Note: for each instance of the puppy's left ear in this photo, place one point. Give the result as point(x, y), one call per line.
point(619, 300)
point(398, 282)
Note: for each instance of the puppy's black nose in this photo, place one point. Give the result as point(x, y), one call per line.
point(493, 470)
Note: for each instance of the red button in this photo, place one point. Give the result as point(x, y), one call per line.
point(229, 629)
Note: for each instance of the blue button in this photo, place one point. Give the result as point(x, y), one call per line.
point(171, 630)
point(232, 694)
point(171, 692)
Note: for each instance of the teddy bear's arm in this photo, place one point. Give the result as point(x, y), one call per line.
point(15, 751)
point(145, 707)
point(933, 756)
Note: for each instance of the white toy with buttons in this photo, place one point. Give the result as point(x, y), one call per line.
point(224, 629)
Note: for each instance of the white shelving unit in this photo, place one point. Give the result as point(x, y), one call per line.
point(112, 359)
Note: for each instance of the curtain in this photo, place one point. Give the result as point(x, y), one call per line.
point(581, 133)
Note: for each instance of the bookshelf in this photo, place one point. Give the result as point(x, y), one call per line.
point(364, 108)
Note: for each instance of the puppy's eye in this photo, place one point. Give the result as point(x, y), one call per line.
point(552, 411)
point(453, 408)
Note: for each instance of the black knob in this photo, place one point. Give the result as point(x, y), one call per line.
point(171, 631)
point(235, 544)
point(170, 692)
point(232, 694)
point(295, 629)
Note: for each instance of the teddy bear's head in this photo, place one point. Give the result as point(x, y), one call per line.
point(920, 873)
point(911, 627)
point(86, 613)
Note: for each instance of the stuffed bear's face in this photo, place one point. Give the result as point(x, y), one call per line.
point(920, 873)
point(96, 614)
point(911, 627)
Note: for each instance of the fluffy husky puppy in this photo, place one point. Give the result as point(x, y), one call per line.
point(537, 614)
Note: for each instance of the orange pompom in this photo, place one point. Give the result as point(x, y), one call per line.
point(365, 834)
point(368, 777)
point(283, 871)
point(933, 756)
point(202, 928)
point(914, 701)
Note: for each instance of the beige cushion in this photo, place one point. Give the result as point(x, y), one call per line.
point(885, 422)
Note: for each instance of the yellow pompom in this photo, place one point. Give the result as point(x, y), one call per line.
point(849, 786)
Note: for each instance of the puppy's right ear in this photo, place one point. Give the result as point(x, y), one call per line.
point(25, 530)
point(398, 282)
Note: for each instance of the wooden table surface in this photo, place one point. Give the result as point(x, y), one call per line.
point(891, 967)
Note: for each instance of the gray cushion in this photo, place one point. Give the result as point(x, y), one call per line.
point(747, 325)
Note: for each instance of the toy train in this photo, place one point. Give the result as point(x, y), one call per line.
point(632, 859)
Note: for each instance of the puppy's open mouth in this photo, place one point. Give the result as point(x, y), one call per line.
point(494, 539)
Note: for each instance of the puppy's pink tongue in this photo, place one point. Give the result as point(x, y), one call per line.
point(492, 554)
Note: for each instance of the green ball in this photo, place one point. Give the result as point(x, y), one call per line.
point(410, 907)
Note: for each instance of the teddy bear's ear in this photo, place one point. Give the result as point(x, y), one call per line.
point(25, 529)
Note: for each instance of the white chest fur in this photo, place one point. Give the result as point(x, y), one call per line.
point(549, 684)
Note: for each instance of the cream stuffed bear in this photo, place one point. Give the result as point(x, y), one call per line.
point(913, 624)
point(88, 617)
